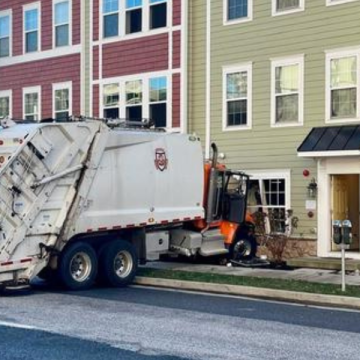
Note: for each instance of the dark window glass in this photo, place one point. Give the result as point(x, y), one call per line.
point(31, 41)
point(237, 9)
point(237, 112)
point(62, 35)
point(4, 47)
point(111, 113)
point(133, 21)
point(111, 25)
point(134, 113)
point(158, 15)
point(62, 116)
point(158, 114)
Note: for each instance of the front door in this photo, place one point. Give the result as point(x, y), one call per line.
point(345, 203)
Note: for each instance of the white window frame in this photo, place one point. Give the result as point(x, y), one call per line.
point(248, 18)
point(27, 7)
point(3, 14)
point(338, 54)
point(275, 12)
point(287, 61)
point(229, 70)
point(62, 86)
point(32, 90)
point(7, 93)
point(121, 81)
point(338, 2)
point(54, 25)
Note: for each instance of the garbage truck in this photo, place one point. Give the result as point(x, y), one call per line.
point(87, 200)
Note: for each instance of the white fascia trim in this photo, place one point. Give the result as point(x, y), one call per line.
point(7, 93)
point(32, 90)
point(287, 61)
point(274, 12)
point(69, 23)
point(229, 70)
point(321, 154)
point(184, 66)
point(9, 13)
point(338, 2)
point(208, 81)
point(27, 7)
point(35, 56)
point(246, 19)
point(338, 54)
point(62, 86)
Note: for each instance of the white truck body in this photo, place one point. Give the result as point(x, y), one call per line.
point(62, 180)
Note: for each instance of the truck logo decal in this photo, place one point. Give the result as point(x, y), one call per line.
point(161, 162)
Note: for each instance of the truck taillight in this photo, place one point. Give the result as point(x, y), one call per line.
point(2, 159)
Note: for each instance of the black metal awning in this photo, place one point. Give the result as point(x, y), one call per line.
point(331, 139)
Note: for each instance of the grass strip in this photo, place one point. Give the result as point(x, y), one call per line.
point(259, 282)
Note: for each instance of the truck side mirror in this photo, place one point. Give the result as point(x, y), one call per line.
point(337, 236)
point(346, 232)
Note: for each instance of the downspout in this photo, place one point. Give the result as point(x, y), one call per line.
point(208, 81)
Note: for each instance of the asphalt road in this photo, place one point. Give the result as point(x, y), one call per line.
point(147, 324)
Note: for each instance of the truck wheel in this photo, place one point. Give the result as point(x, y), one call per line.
point(78, 266)
point(118, 263)
point(244, 247)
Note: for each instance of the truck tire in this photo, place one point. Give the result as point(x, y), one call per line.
point(244, 247)
point(78, 266)
point(118, 263)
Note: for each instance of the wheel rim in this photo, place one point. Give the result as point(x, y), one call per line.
point(80, 266)
point(123, 264)
point(242, 248)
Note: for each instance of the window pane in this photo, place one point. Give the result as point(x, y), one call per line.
point(287, 108)
point(111, 95)
point(134, 113)
point(62, 116)
point(111, 113)
point(237, 9)
point(31, 41)
point(287, 4)
point(133, 92)
point(158, 16)
point(31, 104)
point(4, 47)
point(236, 85)
point(111, 25)
point(4, 26)
point(287, 79)
point(158, 89)
point(62, 13)
point(31, 20)
point(4, 107)
point(133, 3)
point(62, 100)
point(343, 103)
point(158, 114)
point(133, 21)
point(62, 35)
point(110, 6)
point(237, 112)
point(343, 72)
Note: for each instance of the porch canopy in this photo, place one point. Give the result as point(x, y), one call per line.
point(331, 141)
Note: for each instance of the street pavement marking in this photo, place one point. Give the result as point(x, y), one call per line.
point(18, 326)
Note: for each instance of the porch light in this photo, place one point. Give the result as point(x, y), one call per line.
point(312, 189)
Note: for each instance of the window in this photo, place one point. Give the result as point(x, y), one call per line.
point(31, 28)
point(133, 16)
point(237, 108)
point(338, 2)
point(280, 7)
point(62, 23)
point(111, 101)
point(31, 103)
point(158, 97)
point(5, 104)
point(270, 193)
point(134, 92)
point(111, 18)
point(237, 11)
point(287, 92)
point(62, 101)
point(5, 34)
point(158, 14)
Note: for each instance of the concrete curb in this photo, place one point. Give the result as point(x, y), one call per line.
point(290, 296)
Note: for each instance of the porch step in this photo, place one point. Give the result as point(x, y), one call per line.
point(323, 263)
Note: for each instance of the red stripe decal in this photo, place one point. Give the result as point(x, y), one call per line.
point(25, 260)
point(143, 224)
point(102, 228)
point(117, 227)
point(164, 221)
point(130, 225)
point(187, 219)
point(7, 263)
point(198, 217)
point(89, 230)
point(176, 220)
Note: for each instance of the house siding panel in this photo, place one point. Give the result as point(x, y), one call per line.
point(177, 6)
point(176, 49)
point(96, 101)
point(96, 20)
point(96, 63)
point(136, 56)
point(76, 22)
point(176, 101)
